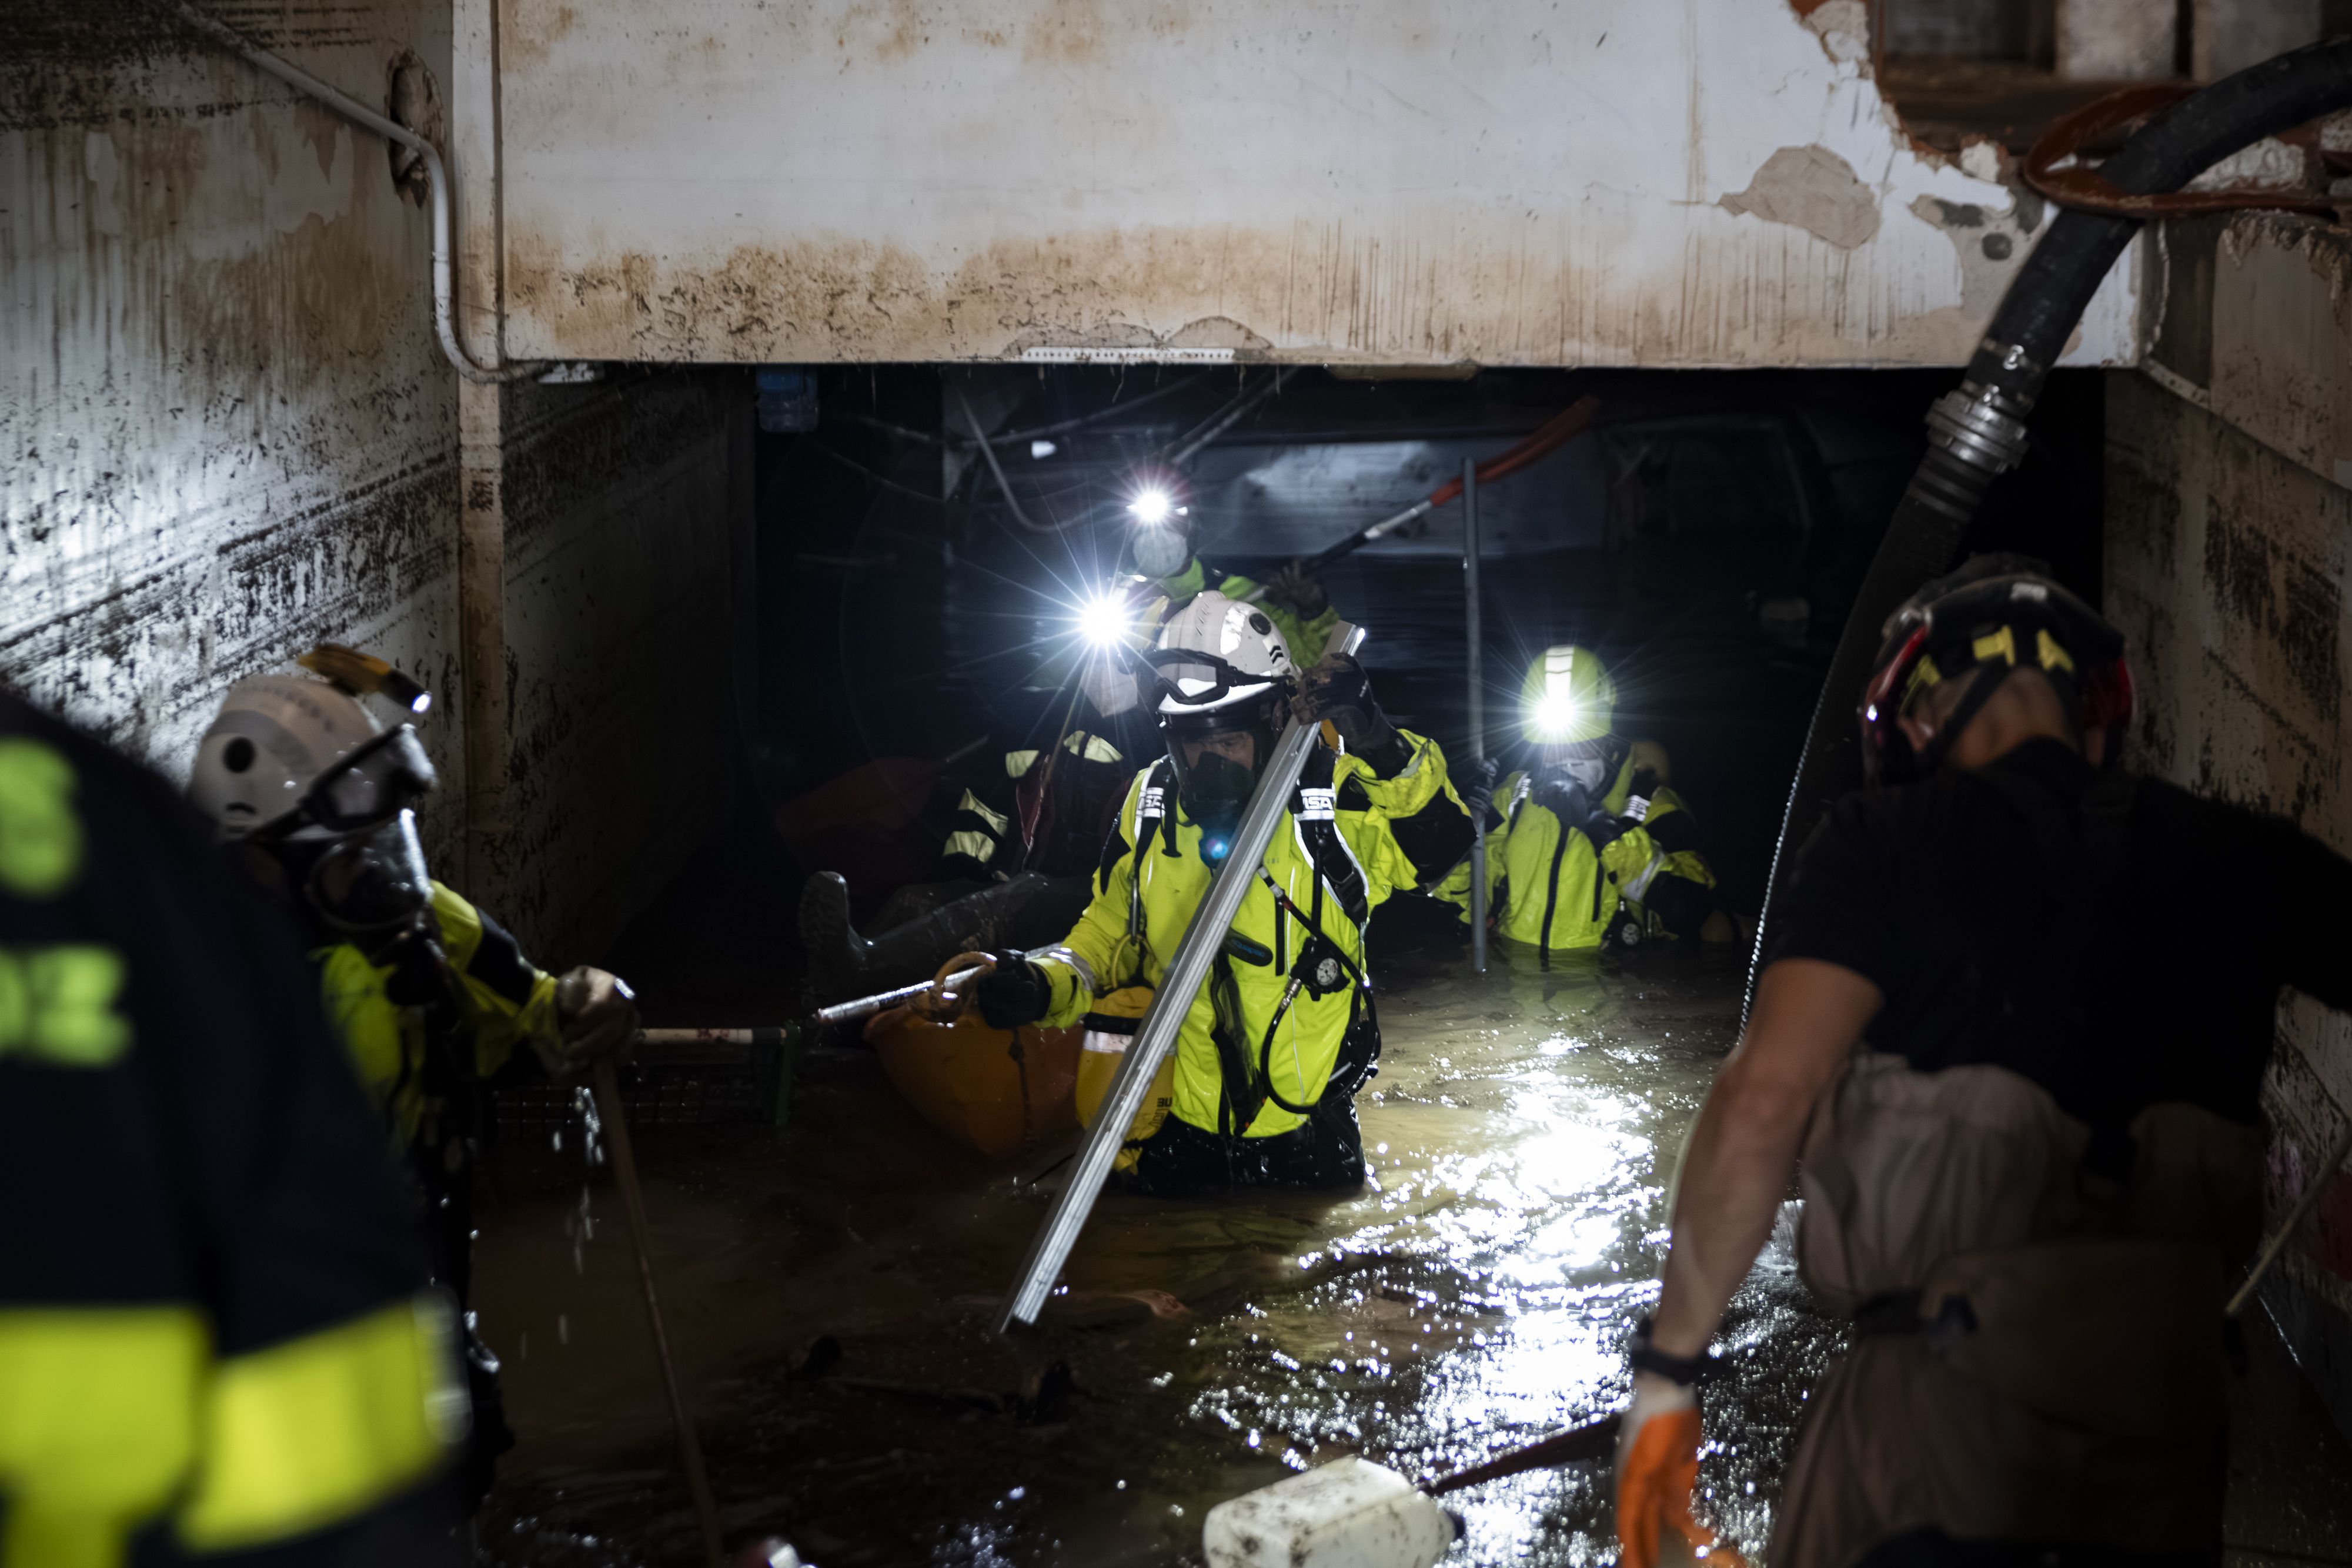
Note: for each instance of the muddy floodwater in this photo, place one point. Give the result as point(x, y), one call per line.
point(1476, 1295)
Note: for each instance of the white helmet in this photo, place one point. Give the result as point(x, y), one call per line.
point(277, 736)
point(301, 767)
point(1215, 654)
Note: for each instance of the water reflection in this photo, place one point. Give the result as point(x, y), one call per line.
point(1476, 1296)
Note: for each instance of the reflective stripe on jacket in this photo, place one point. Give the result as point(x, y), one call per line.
point(1016, 818)
point(210, 1289)
point(1098, 958)
point(1546, 884)
point(1668, 821)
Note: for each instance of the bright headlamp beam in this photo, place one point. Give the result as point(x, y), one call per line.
point(1554, 714)
point(1151, 506)
point(1102, 620)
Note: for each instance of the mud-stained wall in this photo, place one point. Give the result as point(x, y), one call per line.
point(226, 433)
point(620, 691)
point(1534, 182)
point(224, 430)
point(2228, 564)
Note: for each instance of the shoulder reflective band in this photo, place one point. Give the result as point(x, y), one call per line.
point(1318, 805)
point(1637, 809)
point(315, 1431)
point(97, 1427)
point(1150, 803)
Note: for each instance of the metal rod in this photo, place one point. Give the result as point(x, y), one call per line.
point(1593, 1440)
point(759, 1034)
point(1474, 635)
point(2303, 1205)
point(614, 1116)
point(864, 1007)
point(1155, 1035)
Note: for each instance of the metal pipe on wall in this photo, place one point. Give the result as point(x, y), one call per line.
point(444, 275)
point(1474, 634)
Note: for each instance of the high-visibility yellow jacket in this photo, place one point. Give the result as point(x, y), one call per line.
point(1549, 887)
point(504, 1001)
point(213, 1313)
point(1339, 844)
point(1306, 639)
point(1667, 821)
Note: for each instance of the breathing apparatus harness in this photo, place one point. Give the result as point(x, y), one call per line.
point(1321, 966)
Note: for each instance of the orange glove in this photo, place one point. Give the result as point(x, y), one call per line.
point(1657, 1466)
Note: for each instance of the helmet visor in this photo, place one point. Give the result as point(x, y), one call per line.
point(385, 778)
point(372, 880)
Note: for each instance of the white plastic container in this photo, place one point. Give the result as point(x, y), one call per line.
point(1349, 1513)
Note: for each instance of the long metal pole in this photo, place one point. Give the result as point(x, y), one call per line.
point(615, 1118)
point(1473, 633)
point(2287, 1226)
point(1155, 1035)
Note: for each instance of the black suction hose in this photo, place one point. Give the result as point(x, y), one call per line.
point(1977, 432)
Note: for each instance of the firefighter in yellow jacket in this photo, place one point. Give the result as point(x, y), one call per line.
point(216, 1338)
point(1274, 1047)
point(431, 996)
point(1588, 842)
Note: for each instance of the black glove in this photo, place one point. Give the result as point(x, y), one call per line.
point(1338, 690)
point(1574, 805)
point(1013, 993)
point(1294, 589)
point(1477, 786)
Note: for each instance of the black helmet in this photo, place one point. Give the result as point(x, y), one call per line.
point(1996, 608)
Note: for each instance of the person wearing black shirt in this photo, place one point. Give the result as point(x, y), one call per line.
point(217, 1339)
point(2026, 1106)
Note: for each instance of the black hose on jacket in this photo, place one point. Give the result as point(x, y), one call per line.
point(1977, 432)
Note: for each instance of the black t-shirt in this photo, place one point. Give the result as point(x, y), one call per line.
point(178, 1124)
point(2117, 977)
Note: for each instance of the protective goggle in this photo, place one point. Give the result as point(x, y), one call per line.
point(1216, 678)
point(372, 881)
point(379, 780)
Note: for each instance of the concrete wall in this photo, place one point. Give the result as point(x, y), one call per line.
point(2229, 562)
point(621, 701)
point(1526, 182)
point(224, 430)
point(226, 433)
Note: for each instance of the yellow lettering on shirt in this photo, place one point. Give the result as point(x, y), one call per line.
point(40, 835)
point(57, 1006)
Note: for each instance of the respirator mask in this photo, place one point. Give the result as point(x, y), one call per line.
point(351, 847)
point(1213, 788)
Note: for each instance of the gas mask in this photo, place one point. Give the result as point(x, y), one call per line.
point(1161, 548)
point(1590, 772)
point(351, 848)
point(1213, 788)
point(1591, 764)
point(370, 882)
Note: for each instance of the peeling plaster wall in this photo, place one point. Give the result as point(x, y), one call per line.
point(226, 433)
point(2228, 562)
point(224, 430)
point(1534, 182)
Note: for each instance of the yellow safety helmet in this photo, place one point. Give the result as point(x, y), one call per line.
point(1566, 697)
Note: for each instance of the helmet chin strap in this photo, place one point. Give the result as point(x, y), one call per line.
point(1973, 702)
